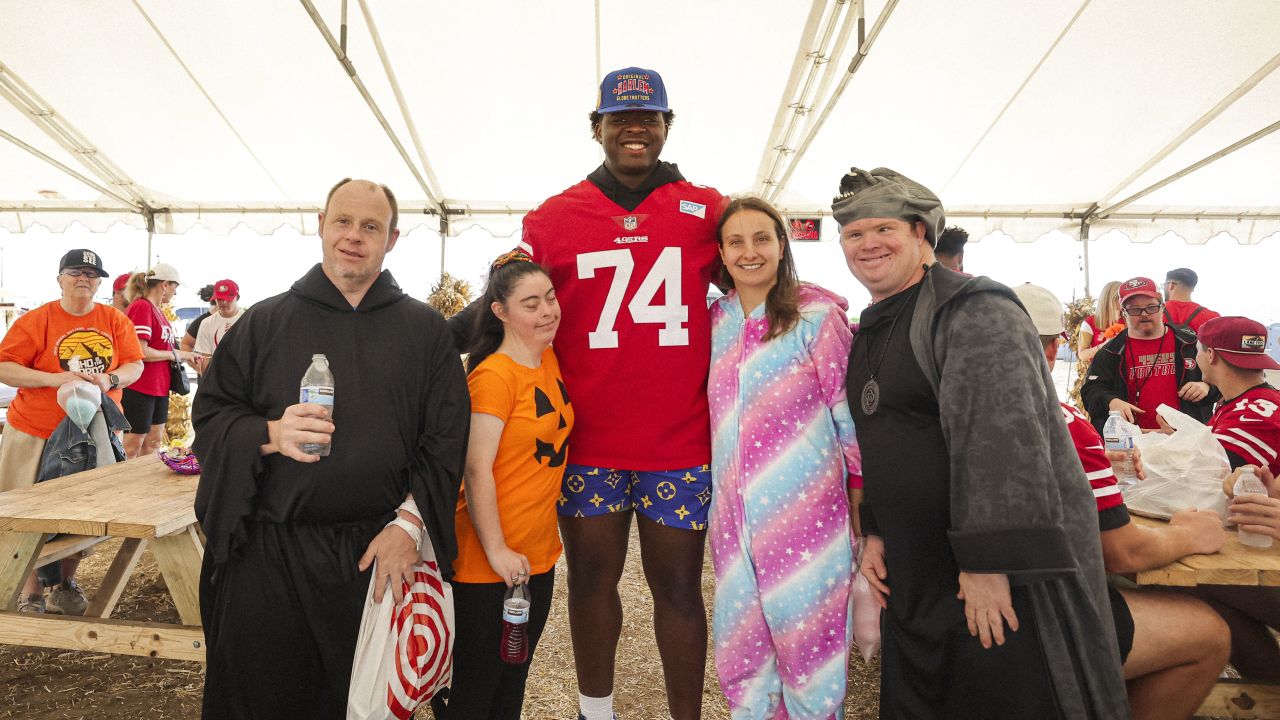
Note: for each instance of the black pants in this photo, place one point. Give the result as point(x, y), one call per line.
point(484, 686)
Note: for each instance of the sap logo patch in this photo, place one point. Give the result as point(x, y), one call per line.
point(688, 207)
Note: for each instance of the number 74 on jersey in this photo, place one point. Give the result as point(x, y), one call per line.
point(665, 275)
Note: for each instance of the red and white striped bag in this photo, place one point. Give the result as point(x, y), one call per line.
point(404, 653)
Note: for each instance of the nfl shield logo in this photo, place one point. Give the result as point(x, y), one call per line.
point(629, 222)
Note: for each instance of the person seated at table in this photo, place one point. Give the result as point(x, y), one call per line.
point(1173, 645)
point(68, 340)
point(1232, 357)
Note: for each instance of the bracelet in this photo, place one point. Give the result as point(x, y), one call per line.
point(415, 532)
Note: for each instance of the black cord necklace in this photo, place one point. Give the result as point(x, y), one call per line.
point(1150, 367)
point(871, 390)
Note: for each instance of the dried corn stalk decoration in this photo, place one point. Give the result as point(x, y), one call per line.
point(1077, 312)
point(450, 295)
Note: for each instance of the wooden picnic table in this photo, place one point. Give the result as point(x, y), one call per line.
point(140, 500)
point(1234, 564)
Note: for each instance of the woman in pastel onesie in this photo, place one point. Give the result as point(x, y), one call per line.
point(784, 456)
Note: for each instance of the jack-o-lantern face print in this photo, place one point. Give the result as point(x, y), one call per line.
point(544, 406)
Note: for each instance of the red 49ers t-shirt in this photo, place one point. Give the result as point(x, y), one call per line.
point(1248, 426)
point(1152, 376)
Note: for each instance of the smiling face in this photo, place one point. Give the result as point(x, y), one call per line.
point(751, 251)
point(531, 312)
point(632, 142)
point(355, 235)
point(886, 255)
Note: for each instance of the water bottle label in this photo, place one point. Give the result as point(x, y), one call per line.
point(1119, 443)
point(518, 617)
point(318, 394)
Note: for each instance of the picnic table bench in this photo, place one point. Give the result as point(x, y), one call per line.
point(1234, 564)
point(139, 500)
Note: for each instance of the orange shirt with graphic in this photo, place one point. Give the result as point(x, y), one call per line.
point(537, 417)
point(49, 339)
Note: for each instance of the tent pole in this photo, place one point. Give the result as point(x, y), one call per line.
point(151, 233)
point(858, 56)
point(1105, 212)
point(1243, 89)
point(1084, 244)
point(68, 170)
point(444, 236)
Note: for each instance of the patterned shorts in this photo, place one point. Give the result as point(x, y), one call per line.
point(679, 498)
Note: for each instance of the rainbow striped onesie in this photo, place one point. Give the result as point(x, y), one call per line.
point(783, 450)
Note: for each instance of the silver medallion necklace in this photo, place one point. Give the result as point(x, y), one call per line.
point(871, 390)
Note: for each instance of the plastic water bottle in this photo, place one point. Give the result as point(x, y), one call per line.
point(317, 387)
point(515, 625)
point(1249, 484)
point(1118, 435)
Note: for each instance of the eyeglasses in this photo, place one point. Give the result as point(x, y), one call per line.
point(77, 272)
point(1140, 311)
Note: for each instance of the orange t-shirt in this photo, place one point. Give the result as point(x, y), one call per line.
point(47, 339)
point(537, 417)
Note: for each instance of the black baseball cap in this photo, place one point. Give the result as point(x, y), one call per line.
point(82, 258)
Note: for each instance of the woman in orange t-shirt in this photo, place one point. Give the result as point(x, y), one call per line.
point(506, 517)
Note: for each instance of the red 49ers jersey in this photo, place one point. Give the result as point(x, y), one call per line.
point(1248, 426)
point(1097, 468)
point(634, 342)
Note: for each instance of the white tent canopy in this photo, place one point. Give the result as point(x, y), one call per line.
point(1024, 117)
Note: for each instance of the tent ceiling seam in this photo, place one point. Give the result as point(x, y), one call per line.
point(859, 55)
point(1195, 127)
point(389, 70)
point(199, 86)
point(1191, 168)
point(1016, 94)
point(23, 97)
point(782, 116)
point(349, 67)
point(68, 170)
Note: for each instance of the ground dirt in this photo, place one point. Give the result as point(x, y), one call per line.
point(62, 685)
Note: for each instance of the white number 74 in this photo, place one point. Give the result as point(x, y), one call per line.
point(665, 274)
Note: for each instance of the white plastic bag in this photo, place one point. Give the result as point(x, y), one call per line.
point(81, 400)
point(1183, 470)
point(404, 653)
point(866, 613)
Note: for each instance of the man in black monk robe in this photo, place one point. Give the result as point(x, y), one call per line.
point(981, 531)
point(291, 536)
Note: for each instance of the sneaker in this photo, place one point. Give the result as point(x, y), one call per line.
point(32, 604)
point(68, 599)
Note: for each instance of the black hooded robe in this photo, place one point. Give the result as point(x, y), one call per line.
point(280, 596)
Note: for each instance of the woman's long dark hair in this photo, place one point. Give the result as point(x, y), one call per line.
point(782, 305)
point(487, 330)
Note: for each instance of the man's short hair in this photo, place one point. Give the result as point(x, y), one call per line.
point(1183, 276)
point(206, 292)
point(391, 200)
point(951, 241)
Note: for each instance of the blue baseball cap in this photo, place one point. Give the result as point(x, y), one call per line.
point(632, 88)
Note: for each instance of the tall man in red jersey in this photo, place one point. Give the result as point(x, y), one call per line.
point(632, 250)
point(1148, 364)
